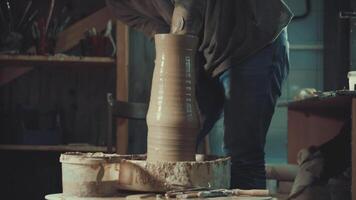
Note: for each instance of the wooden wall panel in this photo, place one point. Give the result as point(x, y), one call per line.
point(78, 94)
point(142, 55)
point(122, 70)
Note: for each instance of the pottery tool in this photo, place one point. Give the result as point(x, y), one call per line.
point(51, 8)
point(11, 19)
point(64, 24)
point(218, 193)
point(64, 19)
point(176, 193)
point(30, 19)
point(52, 30)
point(35, 31)
point(27, 9)
point(42, 42)
point(109, 35)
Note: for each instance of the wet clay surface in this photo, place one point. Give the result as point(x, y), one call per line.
point(101, 175)
point(172, 118)
point(159, 176)
point(151, 196)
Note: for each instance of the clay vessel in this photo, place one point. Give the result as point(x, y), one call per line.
point(172, 117)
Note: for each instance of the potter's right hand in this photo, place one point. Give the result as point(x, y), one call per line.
point(188, 16)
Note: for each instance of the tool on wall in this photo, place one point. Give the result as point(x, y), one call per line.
point(98, 43)
point(108, 34)
point(50, 13)
point(10, 16)
point(13, 32)
point(29, 20)
point(27, 9)
point(10, 40)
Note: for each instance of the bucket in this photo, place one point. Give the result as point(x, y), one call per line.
point(352, 80)
point(90, 174)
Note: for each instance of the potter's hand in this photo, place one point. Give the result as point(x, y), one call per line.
point(188, 16)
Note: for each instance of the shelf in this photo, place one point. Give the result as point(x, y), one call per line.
point(58, 148)
point(55, 61)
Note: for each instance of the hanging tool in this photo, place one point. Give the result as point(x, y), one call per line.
point(35, 31)
point(108, 34)
point(43, 43)
point(11, 19)
point(30, 19)
point(51, 8)
point(206, 193)
point(27, 9)
point(64, 24)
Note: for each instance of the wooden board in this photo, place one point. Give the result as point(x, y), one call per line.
point(141, 59)
point(146, 197)
point(338, 102)
point(55, 61)
point(58, 148)
point(122, 38)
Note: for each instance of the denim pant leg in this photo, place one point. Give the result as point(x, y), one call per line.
point(251, 92)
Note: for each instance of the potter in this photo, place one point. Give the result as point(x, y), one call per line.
point(242, 58)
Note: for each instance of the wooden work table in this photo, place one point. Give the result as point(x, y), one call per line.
point(153, 197)
point(315, 120)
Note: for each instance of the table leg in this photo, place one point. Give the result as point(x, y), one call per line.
point(353, 143)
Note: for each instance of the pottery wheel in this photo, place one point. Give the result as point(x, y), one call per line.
point(206, 171)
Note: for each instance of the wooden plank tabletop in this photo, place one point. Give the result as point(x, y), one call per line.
point(54, 61)
point(59, 148)
point(336, 98)
point(60, 196)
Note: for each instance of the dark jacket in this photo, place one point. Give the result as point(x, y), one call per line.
point(232, 30)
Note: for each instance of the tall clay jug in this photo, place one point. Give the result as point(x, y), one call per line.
point(172, 117)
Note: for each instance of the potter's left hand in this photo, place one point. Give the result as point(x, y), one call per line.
point(188, 16)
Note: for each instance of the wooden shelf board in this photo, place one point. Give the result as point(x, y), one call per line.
point(55, 61)
point(59, 148)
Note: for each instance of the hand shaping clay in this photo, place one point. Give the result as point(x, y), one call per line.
point(172, 118)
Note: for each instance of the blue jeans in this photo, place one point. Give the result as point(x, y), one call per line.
point(245, 97)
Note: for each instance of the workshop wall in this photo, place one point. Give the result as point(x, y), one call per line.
point(306, 71)
point(53, 105)
point(67, 104)
point(142, 55)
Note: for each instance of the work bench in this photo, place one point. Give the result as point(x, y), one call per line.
point(315, 120)
point(153, 197)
